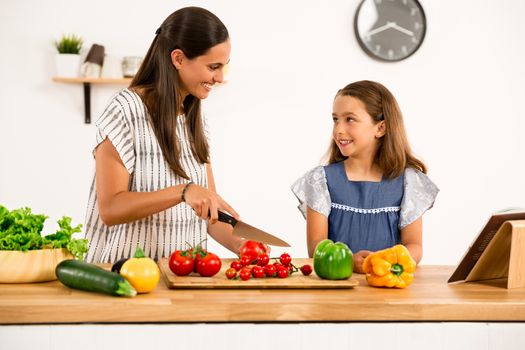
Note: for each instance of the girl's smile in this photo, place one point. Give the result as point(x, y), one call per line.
point(343, 142)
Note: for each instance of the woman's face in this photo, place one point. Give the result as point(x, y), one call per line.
point(200, 74)
point(355, 132)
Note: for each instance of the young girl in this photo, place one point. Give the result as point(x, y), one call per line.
point(153, 185)
point(373, 192)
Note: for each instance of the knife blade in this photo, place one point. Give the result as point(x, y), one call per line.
point(242, 229)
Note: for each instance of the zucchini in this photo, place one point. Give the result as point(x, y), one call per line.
point(85, 276)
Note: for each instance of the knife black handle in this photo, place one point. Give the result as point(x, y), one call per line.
point(223, 217)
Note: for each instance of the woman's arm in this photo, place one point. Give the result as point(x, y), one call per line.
point(316, 229)
point(412, 238)
point(220, 231)
point(117, 205)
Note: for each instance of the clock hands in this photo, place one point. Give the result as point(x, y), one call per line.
point(389, 25)
point(401, 29)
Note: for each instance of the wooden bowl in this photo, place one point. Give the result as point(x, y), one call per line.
point(31, 266)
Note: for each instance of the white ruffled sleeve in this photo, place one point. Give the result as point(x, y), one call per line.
point(312, 191)
point(420, 194)
point(115, 125)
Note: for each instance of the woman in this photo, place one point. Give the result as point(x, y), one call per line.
point(153, 185)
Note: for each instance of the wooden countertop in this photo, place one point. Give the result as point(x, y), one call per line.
point(429, 298)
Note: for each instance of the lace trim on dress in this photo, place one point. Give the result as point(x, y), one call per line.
point(365, 211)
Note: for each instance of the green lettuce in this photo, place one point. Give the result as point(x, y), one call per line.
point(21, 230)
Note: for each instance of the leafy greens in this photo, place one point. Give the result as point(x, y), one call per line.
point(21, 230)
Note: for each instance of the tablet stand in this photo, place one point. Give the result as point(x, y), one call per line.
point(504, 257)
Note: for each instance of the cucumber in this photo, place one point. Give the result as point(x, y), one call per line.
point(85, 276)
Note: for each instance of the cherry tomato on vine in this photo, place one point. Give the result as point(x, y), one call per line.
point(245, 273)
point(258, 271)
point(270, 270)
point(236, 265)
point(285, 259)
point(306, 269)
point(231, 273)
point(263, 259)
point(282, 272)
point(246, 260)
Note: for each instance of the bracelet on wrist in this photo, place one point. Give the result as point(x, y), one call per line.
point(184, 190)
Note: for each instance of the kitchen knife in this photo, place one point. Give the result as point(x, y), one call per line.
point(241, 229)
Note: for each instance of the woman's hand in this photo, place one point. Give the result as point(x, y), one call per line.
point(206, 203)
point(359, 258)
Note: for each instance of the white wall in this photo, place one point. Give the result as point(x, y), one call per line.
point(461, 95)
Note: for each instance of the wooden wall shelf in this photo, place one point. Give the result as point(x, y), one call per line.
point(87, 89)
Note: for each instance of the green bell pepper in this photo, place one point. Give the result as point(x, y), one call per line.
point(333, 261)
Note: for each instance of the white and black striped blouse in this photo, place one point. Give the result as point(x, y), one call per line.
point(125, 124)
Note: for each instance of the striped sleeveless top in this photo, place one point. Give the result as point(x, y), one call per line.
point(125, 123)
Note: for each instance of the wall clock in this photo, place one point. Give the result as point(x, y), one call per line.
point(390, 30)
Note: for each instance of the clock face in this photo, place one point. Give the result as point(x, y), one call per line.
point(390, 30)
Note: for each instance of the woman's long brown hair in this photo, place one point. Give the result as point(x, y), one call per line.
point(193, 30)
point(394, 154)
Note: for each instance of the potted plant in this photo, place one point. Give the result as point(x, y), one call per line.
point(68, 57)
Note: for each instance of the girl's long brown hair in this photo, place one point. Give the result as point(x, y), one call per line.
point(193, 30)
point(393, 154)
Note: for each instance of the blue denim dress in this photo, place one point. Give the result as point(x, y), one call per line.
point(365, 215)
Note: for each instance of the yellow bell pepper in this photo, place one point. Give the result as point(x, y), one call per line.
point(141, 271)
point(392, 267)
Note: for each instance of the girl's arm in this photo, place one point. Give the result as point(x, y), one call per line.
point(316, 229)
point(117, 205)
point(412, 238)
point(220, 231)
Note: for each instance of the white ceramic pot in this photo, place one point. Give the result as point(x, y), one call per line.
point(112, 67)
point(67, 65)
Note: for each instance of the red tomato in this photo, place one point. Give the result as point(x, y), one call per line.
point(236, 265)
point(285, 259)
point(246, 260)
point(270, 270)
point(282, 272)
point(306, 269)
point(181, 263)
point(207, 264)
point(263, 259)
point(258, 271)
point(231, 273)
point(245, 273)
point(253, 249)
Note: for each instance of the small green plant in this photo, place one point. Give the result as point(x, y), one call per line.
point(69, 43)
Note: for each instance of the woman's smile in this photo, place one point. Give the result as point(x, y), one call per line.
point(207, 86)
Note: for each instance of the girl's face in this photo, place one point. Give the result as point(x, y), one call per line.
point(355, 132)
point(199, 75)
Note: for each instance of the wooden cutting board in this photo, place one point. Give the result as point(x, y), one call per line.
point(296, 280)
